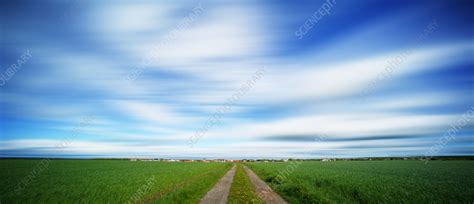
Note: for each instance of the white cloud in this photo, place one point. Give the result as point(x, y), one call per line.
point(204, 65)
point(338, 125)
point(218, 34)
point(231, 150)
point(150, 112)
point(346, 78)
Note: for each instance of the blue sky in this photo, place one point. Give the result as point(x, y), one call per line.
point(236, 80)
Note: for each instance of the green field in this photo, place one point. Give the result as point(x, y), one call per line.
point(370, 181)
point(121, 181)
point(112, 181)
point(242, 190)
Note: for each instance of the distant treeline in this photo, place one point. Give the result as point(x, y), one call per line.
point(390, 158)
point(282, 160)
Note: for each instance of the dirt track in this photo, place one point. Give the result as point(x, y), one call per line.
point(219, 193)
point(263, 190)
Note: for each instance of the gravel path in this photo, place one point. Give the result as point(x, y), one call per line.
point(219, 193)
point(263, 190)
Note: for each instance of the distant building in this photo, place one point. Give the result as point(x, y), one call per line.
point(187, 160)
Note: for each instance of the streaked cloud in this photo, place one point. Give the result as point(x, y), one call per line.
point(327, 84)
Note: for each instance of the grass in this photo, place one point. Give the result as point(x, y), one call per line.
point(242, 190)
point(370, 181)
point(108, 181)
point(115, 181)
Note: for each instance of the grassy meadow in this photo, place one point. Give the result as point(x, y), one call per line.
point(122, 181)
point(242, 190)
point(108, 181)
point(370, 181)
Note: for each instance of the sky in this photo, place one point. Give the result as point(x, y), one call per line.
point(236, 79)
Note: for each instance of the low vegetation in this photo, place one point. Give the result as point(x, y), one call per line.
point(108, 181)
point(370, 181)
point(120, 181)
point(242, 190)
